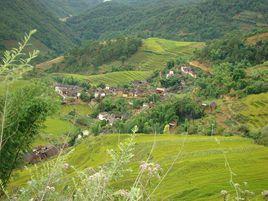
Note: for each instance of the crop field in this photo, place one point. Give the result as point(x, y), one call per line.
point(258, 37)
point(113, 79)
point(199, 171)
point(55, 131)
point(259, 69)
point(254, 110)
point(81, 109)
point(155, 52)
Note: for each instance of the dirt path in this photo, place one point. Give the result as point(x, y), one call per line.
point(202, 66)
point(47, 64)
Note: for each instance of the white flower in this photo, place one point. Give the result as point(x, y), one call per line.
point(224, 192)
point(66, 166)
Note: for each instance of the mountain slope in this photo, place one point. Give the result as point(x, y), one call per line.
point(199, 172)
point(171, 19)
point(18, 17)
point(63, 8)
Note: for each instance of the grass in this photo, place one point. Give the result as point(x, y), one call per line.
point(81, 109)
point(254, 109)
point(199, 174)
point(15, 85)
point(55, 131)
point(259, 69)
point(155, 52)
point(113, 79)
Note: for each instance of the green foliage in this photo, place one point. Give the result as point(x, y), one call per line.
point(110, 105)
point(27, 110)
point(72, 81)
point(20, 16)
point(23, 111)
point(157, 118)
point(234, 49)
point(200, 21)
point(94, 54)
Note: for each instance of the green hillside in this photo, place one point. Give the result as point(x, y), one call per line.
point(152, 55)
point(19, 17)
point(199, 21)
point(252, 110)
point(63, 8)
point(155, 52)
point(199, 173)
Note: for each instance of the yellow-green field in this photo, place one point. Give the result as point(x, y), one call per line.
point(155, 53)
point(198, 174)
point(254, 109)
point(81, 109)
point(112, 79)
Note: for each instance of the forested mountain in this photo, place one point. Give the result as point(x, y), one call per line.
point(63, 8)
point(171, 19)
point(18, 17)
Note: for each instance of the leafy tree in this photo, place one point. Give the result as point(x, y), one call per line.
point(22, 111)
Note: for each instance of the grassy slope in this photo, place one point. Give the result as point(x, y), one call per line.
point(155, 52)
point(254, 109)
point(199, 174)
point(258, 37)
point(153, 55)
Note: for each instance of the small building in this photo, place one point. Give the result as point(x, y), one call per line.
point(68, 91)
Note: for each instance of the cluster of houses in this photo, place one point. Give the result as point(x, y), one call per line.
point(71, 93)
point(68, 92)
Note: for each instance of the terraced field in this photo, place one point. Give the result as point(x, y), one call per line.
point(199, 172)
point(113, 79)
point(258, 37)
point(155, 53)
point(254, 110)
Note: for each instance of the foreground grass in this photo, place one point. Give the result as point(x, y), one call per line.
point(198, 174)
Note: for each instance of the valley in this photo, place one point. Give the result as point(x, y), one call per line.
point(134, 100)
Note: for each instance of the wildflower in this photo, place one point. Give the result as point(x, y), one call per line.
point(265, 194)
point(151, 168)
point(224, 192)
point(66, 166)
point(79, 137)
point(123, 193)
point(52, 189)
point(236, 185)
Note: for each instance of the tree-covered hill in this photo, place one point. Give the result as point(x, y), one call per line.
point(64, 8)
point(18, 17)
point(171, 19)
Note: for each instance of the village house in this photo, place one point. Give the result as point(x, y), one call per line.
point(68, 91)
point(110, 118)
point(188, 71)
